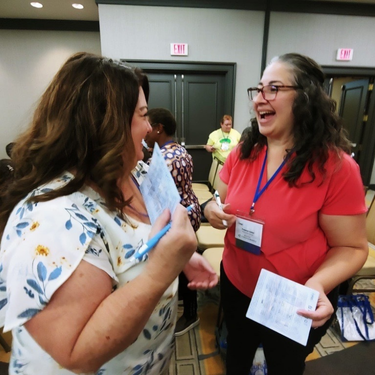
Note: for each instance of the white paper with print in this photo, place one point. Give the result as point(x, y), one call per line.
point(158, 188)
point(275, 303)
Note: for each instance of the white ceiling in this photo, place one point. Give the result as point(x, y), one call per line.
point(63, 10)
point(52, 9)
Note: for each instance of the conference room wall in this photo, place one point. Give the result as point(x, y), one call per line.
point(213, 35)
point(320, 35)
point(222, 35)
point(28, 61)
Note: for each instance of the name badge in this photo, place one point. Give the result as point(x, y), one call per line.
point(248, 233)
point(224, 147)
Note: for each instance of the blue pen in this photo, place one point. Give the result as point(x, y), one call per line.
point(145, 248)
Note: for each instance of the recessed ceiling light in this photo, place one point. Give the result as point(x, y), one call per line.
point(77, 6)
point(36, 4)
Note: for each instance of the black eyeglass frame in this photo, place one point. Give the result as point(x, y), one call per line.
point(251, 90)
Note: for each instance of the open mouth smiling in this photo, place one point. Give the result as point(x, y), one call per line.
point(264, 114)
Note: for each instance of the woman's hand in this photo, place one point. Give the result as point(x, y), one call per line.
point(210, 148)
point(323, 312)
point(215, 215)
point(200, 273)
point(175, 248)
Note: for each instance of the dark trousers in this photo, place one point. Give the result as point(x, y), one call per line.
point(188, 296)
point(283, 356)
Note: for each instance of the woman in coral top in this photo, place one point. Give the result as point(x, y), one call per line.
point(295, 206)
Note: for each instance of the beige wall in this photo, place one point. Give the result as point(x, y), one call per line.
point(319, 36)
point(213, 35)
point(28, 61)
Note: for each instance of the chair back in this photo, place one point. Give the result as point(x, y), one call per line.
point(217, 178)
point(212, 173)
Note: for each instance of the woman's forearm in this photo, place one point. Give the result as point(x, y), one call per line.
point(340, 264)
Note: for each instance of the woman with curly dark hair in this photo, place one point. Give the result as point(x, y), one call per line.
point(295, 206)
point(71, 291)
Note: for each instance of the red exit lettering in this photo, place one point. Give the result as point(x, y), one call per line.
point(179, 49)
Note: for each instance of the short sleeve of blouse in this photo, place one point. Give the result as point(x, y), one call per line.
point(345, 194)
point(41, 247)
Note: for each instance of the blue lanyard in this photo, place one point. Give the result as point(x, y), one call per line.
point(258, 192)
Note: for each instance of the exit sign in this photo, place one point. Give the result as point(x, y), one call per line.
point(179, 49)
point(344, 54)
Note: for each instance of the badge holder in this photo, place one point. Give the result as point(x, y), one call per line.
point(248, 233)
point(225, 144)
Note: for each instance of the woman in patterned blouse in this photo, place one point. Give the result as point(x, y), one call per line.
point(71, 290)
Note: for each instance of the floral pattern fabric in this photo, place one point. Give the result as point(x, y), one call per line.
point(43, 243)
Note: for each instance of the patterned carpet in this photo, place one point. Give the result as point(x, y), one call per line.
point(196, 352)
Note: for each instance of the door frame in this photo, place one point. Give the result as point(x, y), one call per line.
point(368, 139)
point(228, 69)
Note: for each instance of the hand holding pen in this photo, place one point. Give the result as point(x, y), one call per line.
point(152, 242)
point(218, 202)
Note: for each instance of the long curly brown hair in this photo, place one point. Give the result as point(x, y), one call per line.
point(81, 124)
point(317, 128)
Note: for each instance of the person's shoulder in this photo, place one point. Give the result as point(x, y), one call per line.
point(341, 165)
point(215, 131)
point(29, 208)
point(234, 156)
point(340, 159)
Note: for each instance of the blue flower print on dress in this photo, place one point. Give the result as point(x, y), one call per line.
point(166, 323)
point(129, 250)
point(16, 366)
point(149, 364)
point(92, 250)
point(3, 288)
point(89, 227)
point(39, 284)
point(34, 277)
point(20, 226)
point(118, 221)
point(92, 206)
point(28, 205)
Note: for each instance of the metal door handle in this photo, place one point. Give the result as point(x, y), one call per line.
point(182, 112)
point(194, 146)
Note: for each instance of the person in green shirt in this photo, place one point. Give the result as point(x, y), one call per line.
point(222, 141)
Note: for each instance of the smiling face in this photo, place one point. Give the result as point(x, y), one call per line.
point(275, 118)
point(140, 125)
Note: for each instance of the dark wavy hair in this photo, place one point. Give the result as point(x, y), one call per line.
point(81, 124)
point(317, 128)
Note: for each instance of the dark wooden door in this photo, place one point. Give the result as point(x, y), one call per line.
point(196, 100)
point(198, 95)
point(354, 106)
point(353, 109)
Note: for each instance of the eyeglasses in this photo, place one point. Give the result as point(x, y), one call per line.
point(269, 92)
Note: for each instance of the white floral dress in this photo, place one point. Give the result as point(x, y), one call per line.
point(43, 244)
